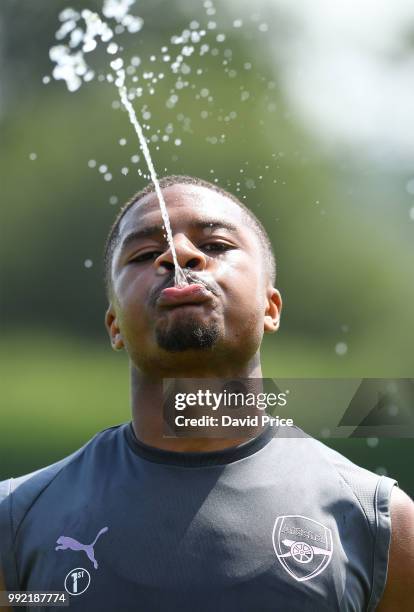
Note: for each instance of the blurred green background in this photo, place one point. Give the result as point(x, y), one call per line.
point(307, 118)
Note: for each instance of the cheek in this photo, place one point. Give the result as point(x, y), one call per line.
point(243, 289)
point(242, 275)
point(131, 294)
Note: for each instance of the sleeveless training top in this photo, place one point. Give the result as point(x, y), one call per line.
point(275, 524)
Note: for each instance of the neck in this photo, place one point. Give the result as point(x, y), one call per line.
point(148, 400)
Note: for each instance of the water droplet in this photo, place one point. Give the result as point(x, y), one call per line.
point(161, 271)
point(113, 200)
point(187, 50)
point(33, 156)
point(67, 14)
point(412, 213)
point(237, 23)
point(220, 37)
point(172, 101)
point(108, 177)
point(112, 48)
point(88, 76)
point(46, 80)
point(135, 61)
point(88, 263)
point(381, 470)
point(177, 142)
point(341, 348)
point(372, 442)
point(133, 24)
point(263, 27)
point(135, 159)
point(122, 141)
point(117, 63)
point(124, 170)
point(92, 163)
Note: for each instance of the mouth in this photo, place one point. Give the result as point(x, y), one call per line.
point(190, 295)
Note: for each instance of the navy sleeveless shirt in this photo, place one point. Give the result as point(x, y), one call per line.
point(277, 523)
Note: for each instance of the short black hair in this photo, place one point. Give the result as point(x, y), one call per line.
point(168, 181)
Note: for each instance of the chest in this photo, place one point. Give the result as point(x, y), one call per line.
point(222, 547)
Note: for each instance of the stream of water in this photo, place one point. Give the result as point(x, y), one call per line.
point(180, 278)
point(72, 67)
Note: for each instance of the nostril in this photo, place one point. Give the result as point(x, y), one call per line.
point(192, 263)
point(168, 265)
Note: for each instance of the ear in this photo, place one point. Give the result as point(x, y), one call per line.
point(273, 310)
point(111, 324)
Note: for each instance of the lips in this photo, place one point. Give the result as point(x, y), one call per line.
point(179, 296)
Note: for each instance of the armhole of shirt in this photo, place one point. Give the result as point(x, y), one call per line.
point(7, 552)
point(382, 539)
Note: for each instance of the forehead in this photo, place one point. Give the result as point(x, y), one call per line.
point(185, 203)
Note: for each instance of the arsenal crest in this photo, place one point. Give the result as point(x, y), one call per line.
point(302, 545)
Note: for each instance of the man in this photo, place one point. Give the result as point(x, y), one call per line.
point(138, 521)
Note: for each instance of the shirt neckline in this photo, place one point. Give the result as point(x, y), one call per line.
point(197, 459)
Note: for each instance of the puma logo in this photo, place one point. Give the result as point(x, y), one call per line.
point(65, 542)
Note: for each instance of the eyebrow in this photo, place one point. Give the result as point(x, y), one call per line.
point(154, 230)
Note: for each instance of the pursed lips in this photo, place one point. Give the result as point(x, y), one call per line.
point(184, 296)
point(207, 288)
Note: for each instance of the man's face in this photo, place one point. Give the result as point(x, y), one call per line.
point(219, 250)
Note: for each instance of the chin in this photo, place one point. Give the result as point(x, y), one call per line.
point(188, 333)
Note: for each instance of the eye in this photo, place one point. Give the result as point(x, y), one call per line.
point(216, 247)
point(148, 256)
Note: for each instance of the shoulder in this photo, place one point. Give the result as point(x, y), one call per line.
point(369, 490)
point(26, 489)
point(390, 512)
point(399, 590)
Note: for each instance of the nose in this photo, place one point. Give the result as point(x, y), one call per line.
point(188, 255)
